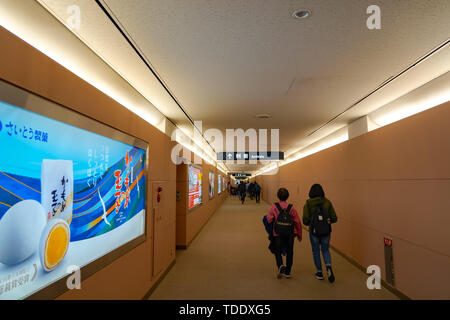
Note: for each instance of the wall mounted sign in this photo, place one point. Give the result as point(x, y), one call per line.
point(195, 186)
point(211, 184)
point(389, 261)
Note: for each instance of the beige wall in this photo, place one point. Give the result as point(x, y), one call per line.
point(132, 275)
point(395, 182)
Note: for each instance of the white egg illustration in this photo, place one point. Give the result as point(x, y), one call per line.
point(20, 231)
point(54, 243)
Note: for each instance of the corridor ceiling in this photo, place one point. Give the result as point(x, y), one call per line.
point(227, 61)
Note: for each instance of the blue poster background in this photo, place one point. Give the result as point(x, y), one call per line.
point(26, 138)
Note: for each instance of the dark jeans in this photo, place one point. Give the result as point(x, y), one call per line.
point(287, 244)
point(317, 245)
point(258, 197)
point(243, 195)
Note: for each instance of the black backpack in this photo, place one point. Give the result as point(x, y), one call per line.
point(320, 227)
point(284, 226)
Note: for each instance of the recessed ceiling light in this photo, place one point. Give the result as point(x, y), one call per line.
point(263, 116)
point(301, 14)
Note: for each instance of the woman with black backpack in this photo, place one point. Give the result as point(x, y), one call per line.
point(319, 214)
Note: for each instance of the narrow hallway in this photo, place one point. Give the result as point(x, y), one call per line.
point(229, 259)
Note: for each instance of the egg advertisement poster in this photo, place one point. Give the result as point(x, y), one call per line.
point(67, 197)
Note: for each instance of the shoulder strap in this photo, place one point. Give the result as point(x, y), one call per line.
point(324, 210)
point(314, 212)
point(278, 207)
point(289, 207)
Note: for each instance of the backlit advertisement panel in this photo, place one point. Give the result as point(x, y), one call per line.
point(195, 186)
point(219, 183)
point(211, 184)
point(68, 196)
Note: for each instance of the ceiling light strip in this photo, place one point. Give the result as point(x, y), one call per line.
point(394, 111)
point(386, 82)
point(131, 42)
point(26, 20)
point(109, 13)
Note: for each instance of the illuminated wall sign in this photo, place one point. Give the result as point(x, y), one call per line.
point(195, 186)
point(389, 261)
point(211, 184)
point(219, 183)
point(68, 196)
point(246, 156)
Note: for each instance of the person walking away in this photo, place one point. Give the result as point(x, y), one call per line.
point(251, 190)
point(234, 189)
point(246, 187)
point(286, 227)
point(238, 193)
point(319, 214)
point(242, 191)
point(257, 192)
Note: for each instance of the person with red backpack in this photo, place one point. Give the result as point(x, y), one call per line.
point(286, 227)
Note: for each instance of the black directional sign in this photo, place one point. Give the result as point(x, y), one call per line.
point(241, 174)
point(250, 156)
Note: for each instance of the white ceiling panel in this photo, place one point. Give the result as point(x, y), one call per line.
point(227, 61)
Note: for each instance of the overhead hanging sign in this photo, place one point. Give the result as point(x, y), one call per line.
point(247, 156)
point(241, 174)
